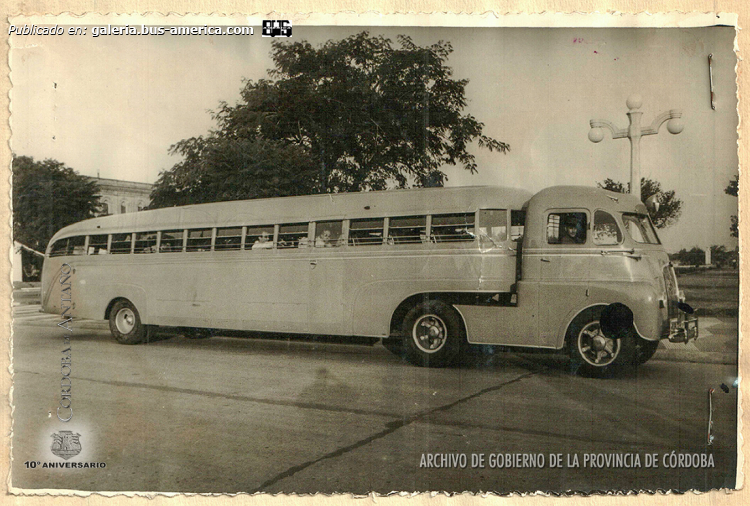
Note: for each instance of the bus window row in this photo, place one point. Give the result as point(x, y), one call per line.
point(487, 225)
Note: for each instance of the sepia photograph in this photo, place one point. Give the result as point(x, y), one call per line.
point(374, 255)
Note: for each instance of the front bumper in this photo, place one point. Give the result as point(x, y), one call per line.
point(683, 329)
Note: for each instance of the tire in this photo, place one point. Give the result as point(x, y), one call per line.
point(594, 354)
point(395, 345)
point(196, 333)
point(432, 333)
point(645, 350)
point(125, 323)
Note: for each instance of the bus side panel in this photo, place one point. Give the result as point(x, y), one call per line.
point(511, 326)
point(387, 283)
point(251, 290)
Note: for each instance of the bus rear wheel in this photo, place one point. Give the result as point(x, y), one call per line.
point(432, 334)
point(125, 323)
point(592, 352)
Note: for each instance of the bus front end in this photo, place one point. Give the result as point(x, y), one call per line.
point(680, 324)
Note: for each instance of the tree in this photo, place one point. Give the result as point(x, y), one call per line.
point(695, 257)
point(723, 258)
point(216, 169)
point(48, 196)
point(364, 112)
point(733, 189)
point(670, 207)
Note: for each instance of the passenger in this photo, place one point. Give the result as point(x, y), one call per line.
point(324, 240)
point(571, 233)
point(263, 241)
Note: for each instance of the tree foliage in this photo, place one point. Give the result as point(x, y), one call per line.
point(733, 189)
point(670, 207)
point(355, 114)
point(216, 169)
point(695, 257)
point(48, 196)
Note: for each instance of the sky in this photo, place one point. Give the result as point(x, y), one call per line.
point(113, 105)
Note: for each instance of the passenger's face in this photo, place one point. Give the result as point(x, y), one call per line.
point(570, 230)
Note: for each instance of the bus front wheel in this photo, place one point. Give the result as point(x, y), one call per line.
point(645, 351)
point(125, 323)
point(592, 352)
point(432, 334)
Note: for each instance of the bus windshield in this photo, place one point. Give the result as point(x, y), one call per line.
point(639, 228)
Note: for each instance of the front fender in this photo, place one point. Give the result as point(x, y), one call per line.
point(640, 297)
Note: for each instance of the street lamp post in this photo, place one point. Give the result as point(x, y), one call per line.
point(634, 132)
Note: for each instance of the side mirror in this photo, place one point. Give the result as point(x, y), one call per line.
point(652, 203)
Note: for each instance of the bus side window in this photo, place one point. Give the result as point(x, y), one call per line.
point(259, 237)
point(606, 232)
point(199, 239)
point(76, 245)
point(59, 248)
point(293, 236)
point(493, 225)
point(98, 244)
point(452, 227)
point(566, 228)
point(229, 238)
point(407, 230)
point(171, 241)
point(145, 242)
point(517, 225)
point(121, 243)
point(366, 231)
point(328, 234)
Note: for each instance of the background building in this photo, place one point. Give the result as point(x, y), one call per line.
point(120, 197)
point(116, 197)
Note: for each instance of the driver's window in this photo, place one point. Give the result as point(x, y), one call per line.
point(566, 228)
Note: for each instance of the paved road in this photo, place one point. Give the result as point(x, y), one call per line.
point(238, 414)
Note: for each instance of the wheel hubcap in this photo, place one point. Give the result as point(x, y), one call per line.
point(596, 348)
point(125, 321)
point(429, 333)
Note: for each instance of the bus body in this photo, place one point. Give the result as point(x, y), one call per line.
point(423, 269)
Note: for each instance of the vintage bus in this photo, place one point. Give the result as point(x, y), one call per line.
point(427, 270)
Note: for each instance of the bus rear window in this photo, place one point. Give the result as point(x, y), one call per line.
point(293, 236)
point(98, 244)
point(493, 225)
point(407, 230)
point(328, 234)
point(260, 237)
point(121, 243)
point(228, 238)
point(453, 227)
point(59, 248)
point(639, 228)
point(76, 245)
point(199, 239)
point(145, 242)
point(366, 232)
point(171, 241)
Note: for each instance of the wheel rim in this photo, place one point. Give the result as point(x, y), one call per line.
point(596, 348)
point(429, 333)
point(125, 321)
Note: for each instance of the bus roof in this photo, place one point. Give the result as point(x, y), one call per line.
point(302, 209)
